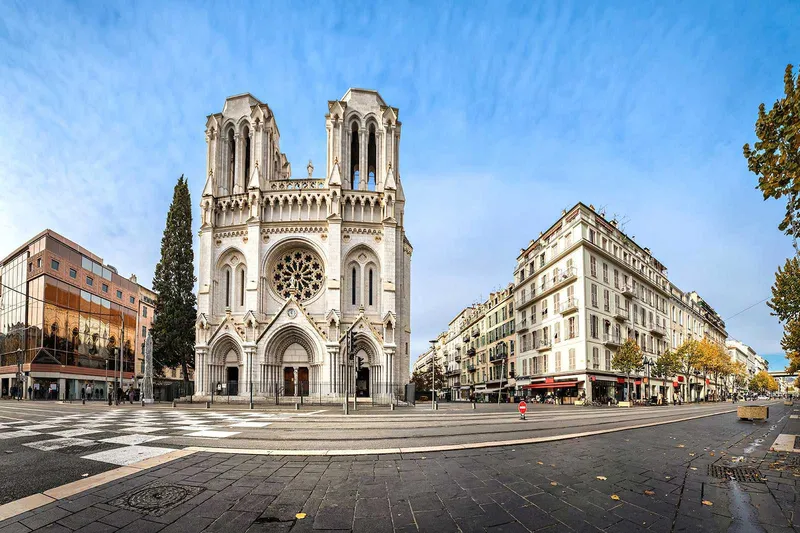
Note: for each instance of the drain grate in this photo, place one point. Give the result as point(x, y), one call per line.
point(739, 473)
point(157, 498)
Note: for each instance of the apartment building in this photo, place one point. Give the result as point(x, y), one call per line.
point(479, 348)
point(740, 351)
point(583, 287)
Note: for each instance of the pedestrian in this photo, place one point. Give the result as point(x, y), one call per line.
point(83, 393)
point(130, 395)
point(30, 392)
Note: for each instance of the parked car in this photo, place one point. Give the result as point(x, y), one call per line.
point(763, 397)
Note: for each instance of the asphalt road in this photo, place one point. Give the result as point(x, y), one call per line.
point(658, 478)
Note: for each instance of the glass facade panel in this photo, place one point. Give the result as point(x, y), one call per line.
point(13, 313)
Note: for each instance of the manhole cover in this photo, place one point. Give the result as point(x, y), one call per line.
point(157, 498)
point(739, 473)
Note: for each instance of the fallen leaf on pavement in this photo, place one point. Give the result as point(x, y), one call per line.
point(85, 475)
point(706, 502)
point(711, 454)
point(691, 455)
point(553, 483)
point(601, 478)
point(667, 477)
point(650, 492)
point(614, 497)
point(692, 468)
point(300, 515)
point(681, 446)
point(539, 463)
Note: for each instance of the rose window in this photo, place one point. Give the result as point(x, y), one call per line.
point(300, 270)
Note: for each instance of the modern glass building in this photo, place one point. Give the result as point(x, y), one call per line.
point(68, 322)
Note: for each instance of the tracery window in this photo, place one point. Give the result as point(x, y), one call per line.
point(298, 269)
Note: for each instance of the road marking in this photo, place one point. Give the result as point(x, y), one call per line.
point(128, 454)
point(130, 440)
point(250, 425)
point(212, 434)
point(58, 444)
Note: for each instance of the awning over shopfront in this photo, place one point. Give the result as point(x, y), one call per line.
point(486, 391)
point(554, 385)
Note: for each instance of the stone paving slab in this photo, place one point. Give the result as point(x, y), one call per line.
point(652, 479)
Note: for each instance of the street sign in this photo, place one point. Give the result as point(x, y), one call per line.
point(523, 408)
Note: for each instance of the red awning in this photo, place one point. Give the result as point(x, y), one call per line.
point(555, 385)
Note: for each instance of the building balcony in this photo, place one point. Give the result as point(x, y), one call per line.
point(564, 276)
point(454, 372)
point(470, 368)
point(543, 344)
point(476, 333)
point(629, 291)
point(471, 352)
point(457, 358)
point(620, 313)
point(524, 300)
point(657, 329)
point(498, 358)
point(465, 337)
point(611, 339)
point(569, 306)
point(522, 327)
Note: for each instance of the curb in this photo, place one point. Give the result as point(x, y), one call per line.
point(33, 501)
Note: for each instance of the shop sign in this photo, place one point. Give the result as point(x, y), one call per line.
point(675, 384)
point(637, 382)
point(620, 380)
point(549, 380)
point(592, 378)
point(680, 379)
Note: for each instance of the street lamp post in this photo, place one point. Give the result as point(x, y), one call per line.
point(433, 375)
point(647, 362)
point(19, 373)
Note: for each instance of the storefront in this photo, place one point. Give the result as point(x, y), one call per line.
point(562, 392)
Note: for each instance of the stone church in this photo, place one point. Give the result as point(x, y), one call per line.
point(288, 266)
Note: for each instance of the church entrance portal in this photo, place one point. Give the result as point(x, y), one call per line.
point(233, 380)
point(362, 383)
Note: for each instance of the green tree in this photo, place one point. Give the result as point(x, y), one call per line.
point(173, 326)
point(627, 360)
point(422, 379)
point(775, 157)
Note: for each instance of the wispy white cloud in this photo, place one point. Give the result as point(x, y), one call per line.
point(511, 112)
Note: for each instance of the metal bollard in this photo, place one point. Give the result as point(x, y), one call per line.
point(473, 406)
point(174, 403)
point(83, 401)
point(297, 407)
point(142, 403)
point(391, 407)
point(208, 405)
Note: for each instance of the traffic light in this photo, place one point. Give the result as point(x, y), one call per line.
point(359, 362)
point(351, 344)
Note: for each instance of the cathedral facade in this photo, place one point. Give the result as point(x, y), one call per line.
point(289, 267)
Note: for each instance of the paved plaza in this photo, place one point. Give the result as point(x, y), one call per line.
point(671, 477)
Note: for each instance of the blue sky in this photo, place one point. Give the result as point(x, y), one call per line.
point(511, 112)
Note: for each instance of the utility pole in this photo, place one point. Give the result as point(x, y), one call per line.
point(502, 371)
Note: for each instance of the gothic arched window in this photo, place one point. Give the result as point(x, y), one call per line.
point(370, 286)
point(231, 160)
point(241, 288)
point(354, 156)
point(246, 156)
point(227, 288)
point(372, 160)
point(353, 286)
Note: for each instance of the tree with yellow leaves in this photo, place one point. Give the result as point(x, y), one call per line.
point(763, 382)
point(689, 355)
point(739, 373)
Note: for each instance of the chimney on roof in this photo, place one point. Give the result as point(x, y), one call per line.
point(647, 251)
point(133, 278)
point(591, 206)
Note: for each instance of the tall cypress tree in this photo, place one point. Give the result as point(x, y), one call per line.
point(173, 327)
